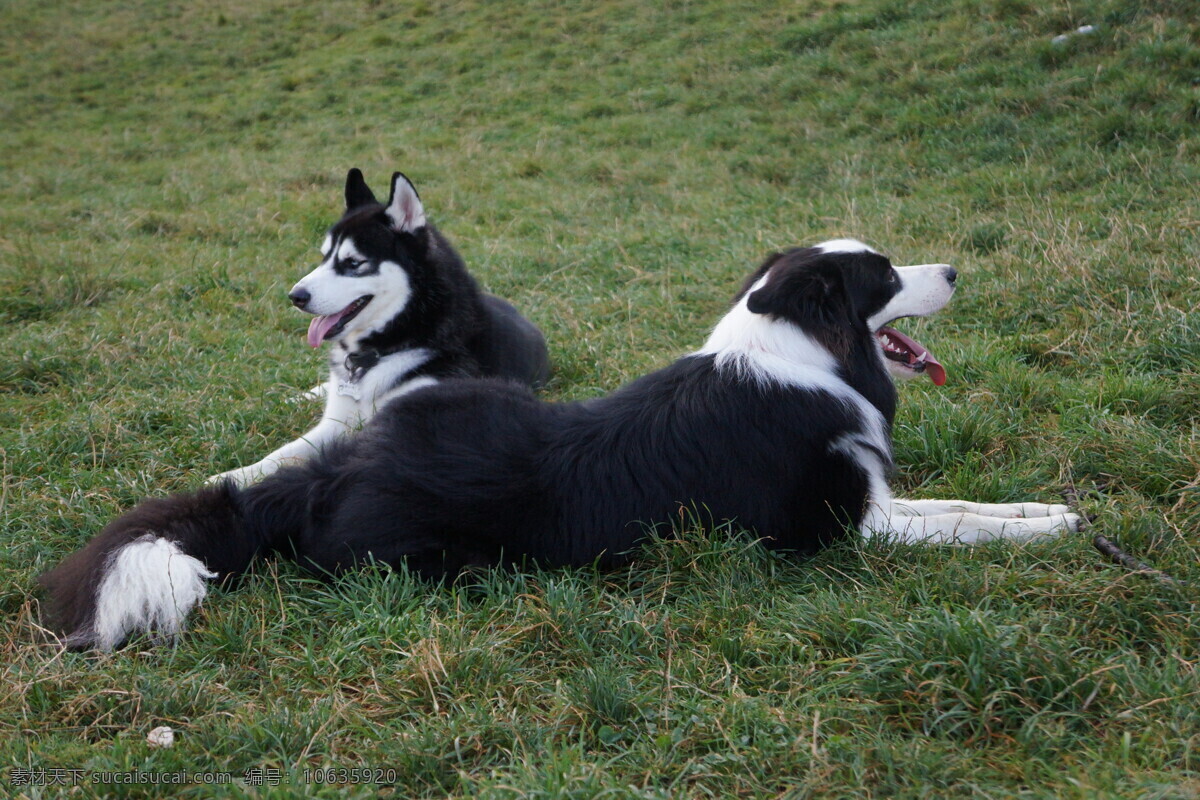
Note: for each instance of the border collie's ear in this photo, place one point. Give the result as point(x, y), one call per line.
point(813, 299)
point(788, 291)
point(357, 191)
point(756, 276)
point(404, 207)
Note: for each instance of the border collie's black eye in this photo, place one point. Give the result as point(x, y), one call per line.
point(893, 277)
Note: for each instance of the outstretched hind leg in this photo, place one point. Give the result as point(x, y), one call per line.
point(959, 527)
point(926, 508)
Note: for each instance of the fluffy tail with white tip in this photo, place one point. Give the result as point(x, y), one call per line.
point(151, 567)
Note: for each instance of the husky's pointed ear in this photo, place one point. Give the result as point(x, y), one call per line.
point(811, 296)
point(404, 207)
point(357, 191)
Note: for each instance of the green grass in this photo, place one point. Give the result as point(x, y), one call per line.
point(616, 169)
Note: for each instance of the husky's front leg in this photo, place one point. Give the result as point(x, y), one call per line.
point(341, 416)
point(897, 521)
point(305, 447)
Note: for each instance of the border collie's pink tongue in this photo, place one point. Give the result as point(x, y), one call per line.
point(323, 324)
point(917, 354)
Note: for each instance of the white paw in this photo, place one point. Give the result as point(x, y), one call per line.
point(244, 476)
point(1051, 526)
point(318, 392)
point(1024, 510)
point(1031, 529)
point(1044, 510)
point(1072, 522)
point(236, 475)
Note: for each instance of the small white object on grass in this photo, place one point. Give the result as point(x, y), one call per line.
point(1082, 30)
point(161, 737)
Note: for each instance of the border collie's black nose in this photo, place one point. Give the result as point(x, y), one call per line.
point(299, 297)
point(951, 275)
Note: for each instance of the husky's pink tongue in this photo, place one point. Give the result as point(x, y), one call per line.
point(323, 324)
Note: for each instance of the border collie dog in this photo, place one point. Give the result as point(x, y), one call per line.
point(401, 312)
point(779, 423)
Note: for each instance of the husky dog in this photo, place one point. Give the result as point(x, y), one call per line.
point(781, 422)
point(401, 311)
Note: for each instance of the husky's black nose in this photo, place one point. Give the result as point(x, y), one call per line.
point(299, 297)
point(951, 275)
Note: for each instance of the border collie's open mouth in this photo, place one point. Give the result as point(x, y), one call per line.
point(329, 325)
point(910, 354)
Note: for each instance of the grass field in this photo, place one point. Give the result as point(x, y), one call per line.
point(615, 169)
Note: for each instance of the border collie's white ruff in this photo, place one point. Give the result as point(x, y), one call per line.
point(780, 422)
point(401, 312)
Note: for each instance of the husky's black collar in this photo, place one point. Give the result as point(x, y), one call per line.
point(360, 362)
